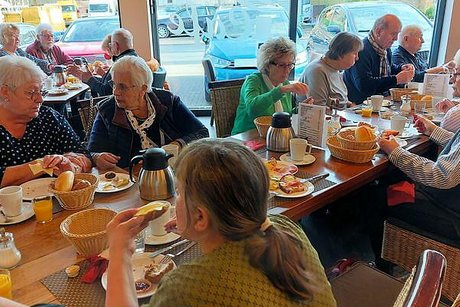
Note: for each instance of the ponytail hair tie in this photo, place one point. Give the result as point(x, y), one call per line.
point(266, 224)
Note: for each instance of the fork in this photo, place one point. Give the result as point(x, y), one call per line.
point(168, 257)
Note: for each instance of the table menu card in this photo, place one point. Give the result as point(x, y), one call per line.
point(312, 124)
point(436, 85)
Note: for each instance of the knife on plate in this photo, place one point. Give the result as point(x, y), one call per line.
point(163, 250)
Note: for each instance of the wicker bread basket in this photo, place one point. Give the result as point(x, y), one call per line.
point(346, 140)
point(78, 199)
point(396, 93)
point(86, 230)
point(262, 124)
point(416, 98)
point(355, 156)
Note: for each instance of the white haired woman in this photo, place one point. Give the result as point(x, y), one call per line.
point(268, 91)
point(29, 132)
point(9, 40)
point(324, 75)
point(249, 258)
point(138, 117)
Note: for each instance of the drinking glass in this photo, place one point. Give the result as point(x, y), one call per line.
point(43, 208)
point(5, 284)
point(139, 241)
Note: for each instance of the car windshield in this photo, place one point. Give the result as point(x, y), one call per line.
point(364, 17)
point(90, 30)
point(252, 23)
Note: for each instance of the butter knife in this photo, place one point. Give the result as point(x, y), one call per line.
point(163, 250)
point(315, 178)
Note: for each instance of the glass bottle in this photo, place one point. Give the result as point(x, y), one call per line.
point(9, 254)
point(405, 105)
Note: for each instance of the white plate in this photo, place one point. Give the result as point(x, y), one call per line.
point(73, 86)
point(27, 213)
point(139, 261)
point(103, 181)
point(309, 189)
point(151, 239)
point(36, 187)
point(401, 143)
point(58, 92)
point(307, 159)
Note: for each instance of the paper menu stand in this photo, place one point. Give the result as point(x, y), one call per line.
point(312, 124)
point(436, 85)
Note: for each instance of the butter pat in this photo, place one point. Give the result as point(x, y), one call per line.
point(72, 271)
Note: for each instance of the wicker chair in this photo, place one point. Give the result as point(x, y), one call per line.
point(87, 108)
point(225, 97)
point(402, 243)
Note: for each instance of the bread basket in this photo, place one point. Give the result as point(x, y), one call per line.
point(355, 156)
point(78, 199)
point(262, 124)
point(396, 93)
point(346, 140)
point(417, 98)
point(86, 230)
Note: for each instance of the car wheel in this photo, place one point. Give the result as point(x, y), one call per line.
point(163, 31)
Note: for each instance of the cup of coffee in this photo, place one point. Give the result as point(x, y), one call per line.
point(399, 122)
point(299, 147)
point(376, 101)
point(157, 225)
point(11, 200)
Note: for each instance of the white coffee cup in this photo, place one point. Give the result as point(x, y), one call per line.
point(299, 147)
point(399, 122)
point(157, 225)
point(172, 149)
point(376, 101)
point(11, 200)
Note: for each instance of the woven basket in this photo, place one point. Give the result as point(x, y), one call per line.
point(78, 199)
point(355, 156)
point(396, 93)
point(86, 230)
point(414, 98)
point(347, 143)
point(262, 124)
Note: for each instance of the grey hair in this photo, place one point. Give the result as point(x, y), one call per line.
point(137, 68)
point(343, 43)
point(273, 49)
point(43, 27)
point(384, 21)
point(4, 29)
point(105, 43)
point(123, 37)
point(17, 70)
point(409, 30)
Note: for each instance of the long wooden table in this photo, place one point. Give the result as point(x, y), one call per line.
point(45, 251)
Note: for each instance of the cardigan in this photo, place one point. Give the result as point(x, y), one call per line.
point(401, 56)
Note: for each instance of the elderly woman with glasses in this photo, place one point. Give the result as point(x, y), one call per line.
point(269, 91)
point(324, 75)
point(32, 134)
point(138, 117)
point(9, 40)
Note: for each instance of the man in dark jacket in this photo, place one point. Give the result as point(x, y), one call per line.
point(374, 72)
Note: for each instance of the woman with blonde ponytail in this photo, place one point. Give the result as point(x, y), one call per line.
point(249, 258)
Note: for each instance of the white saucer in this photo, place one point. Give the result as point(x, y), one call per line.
point(307, 159)
point(27, 213)
point(158, 240)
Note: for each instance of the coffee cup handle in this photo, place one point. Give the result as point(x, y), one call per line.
point(309, 147)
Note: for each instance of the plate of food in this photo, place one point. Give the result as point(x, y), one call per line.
point(72, 86)
point(36, 187)
point(147, 273)
point(290, 186)
point(277, 169)
point(58, 91)
point(111, 182)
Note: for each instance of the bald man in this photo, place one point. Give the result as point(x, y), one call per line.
point(410, 43)
point(374, 72)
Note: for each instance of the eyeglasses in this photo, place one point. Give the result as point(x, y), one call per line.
point(36, 93)
point(283, 66)
point(121, 86)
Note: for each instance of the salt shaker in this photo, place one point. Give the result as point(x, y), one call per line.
point(9, 254)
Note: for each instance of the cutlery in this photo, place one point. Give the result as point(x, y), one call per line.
point(169, 257)
point(161, 251)
point(314, 178)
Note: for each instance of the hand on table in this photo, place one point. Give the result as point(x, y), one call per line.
point(424, 125)
point(79, 159)
point(444, 105)
point(105, 160)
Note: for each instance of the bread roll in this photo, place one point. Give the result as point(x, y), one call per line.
point(79, 184)
point(64, 181)
point(364, 134)
point(153, 210)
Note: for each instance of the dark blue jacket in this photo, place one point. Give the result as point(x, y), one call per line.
point(363, 79)
point(401, 56)
point(112, 132)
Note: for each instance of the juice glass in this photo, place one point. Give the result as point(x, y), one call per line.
point(5, 284)
point(366, 111)
point(43, 208)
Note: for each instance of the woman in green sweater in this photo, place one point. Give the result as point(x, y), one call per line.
point(268, 91)
point(249, 259)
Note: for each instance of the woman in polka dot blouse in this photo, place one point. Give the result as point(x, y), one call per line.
point(30, 131)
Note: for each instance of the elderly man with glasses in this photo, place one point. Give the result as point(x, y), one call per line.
point(44, 48)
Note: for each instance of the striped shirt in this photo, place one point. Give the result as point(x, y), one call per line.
point(451, 120)
point(444, 173)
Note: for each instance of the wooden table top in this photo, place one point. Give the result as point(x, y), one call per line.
point(45, 251)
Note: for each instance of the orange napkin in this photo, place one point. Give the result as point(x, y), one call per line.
point(97, 267)
point(400, 193)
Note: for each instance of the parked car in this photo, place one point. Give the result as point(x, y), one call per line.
point(27, 34)
point(236, 34)
point(182, 22)
point(359, 18)
point(84, 37)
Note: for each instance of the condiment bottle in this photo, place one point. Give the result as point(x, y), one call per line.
point(405, 106)
point(9, 254)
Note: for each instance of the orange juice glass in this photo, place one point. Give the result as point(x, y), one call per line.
point(366, 112)
point(5, 284)
point(43, 208)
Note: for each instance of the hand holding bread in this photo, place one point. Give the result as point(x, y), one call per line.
point(153, 210)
